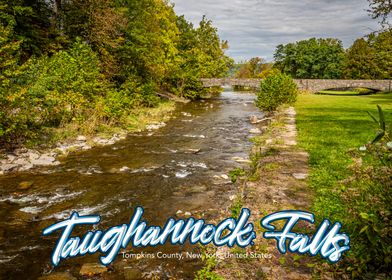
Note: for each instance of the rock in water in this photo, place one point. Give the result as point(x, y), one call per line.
point(124, 169)
point(225, 177)
point(92, 269)
point(192, 151)
point(25, 185)
point(255, 131)
point(132, 273)
point(81, 138)
point(253, 120)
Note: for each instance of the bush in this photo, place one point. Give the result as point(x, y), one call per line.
point(51, 92)
point(276, 90)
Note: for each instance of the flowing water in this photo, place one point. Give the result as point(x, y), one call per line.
point(177, 167)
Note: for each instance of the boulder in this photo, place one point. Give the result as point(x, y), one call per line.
point(81, 138)
point(8, 167)
point(11, 158)
point(21, 161)
point(86, 147)
point(26, 167)
point(225, 177)
point(33, 155)
point(44, 160)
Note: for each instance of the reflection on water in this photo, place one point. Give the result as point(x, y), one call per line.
point(177, 167)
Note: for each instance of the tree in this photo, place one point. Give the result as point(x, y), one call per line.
point(151, 36)
point(311, 59)
point(201, 54)
point(9, 48)
point(380, 9)
point(32, 26)
point(360, 61)
point(81, 61)
point(213, 60)
point(251, 68)
point(382, 45)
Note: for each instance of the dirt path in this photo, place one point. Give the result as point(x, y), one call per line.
point(278, 183)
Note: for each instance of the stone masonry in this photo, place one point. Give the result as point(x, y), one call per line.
point(311, 85)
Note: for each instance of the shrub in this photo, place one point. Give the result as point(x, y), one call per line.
point(148, 95)
point(51, 92)
point(268, 72)
point(276, 90)
point(367, 198)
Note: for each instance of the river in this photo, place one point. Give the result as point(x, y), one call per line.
point(178, 167)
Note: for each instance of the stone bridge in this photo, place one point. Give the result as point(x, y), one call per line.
point(311, 85)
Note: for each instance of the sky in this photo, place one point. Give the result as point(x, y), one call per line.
point(255, 27)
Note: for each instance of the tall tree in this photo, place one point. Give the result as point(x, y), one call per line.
point(33, 26)
point(150, 47)
point(215, 62)
point(382, 44)
point(360, 61)
point(311, 59)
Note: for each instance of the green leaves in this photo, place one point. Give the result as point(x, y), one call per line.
point(70, 61)
point(276, 90)
point(381, 124)
point(311, 59)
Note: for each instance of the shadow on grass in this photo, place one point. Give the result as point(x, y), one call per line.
point(385, 98)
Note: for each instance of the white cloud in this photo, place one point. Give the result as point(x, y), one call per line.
point(256, 27)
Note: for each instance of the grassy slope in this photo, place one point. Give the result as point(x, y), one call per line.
point(328, 126)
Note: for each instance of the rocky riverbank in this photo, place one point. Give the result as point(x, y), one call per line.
point(24, 159)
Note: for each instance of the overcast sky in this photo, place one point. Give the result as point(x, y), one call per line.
point(256, 27)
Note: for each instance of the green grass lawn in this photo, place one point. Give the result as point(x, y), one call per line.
point(328, 126)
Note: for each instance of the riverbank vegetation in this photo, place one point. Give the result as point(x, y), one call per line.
point(351, 178)
point(91, 63)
